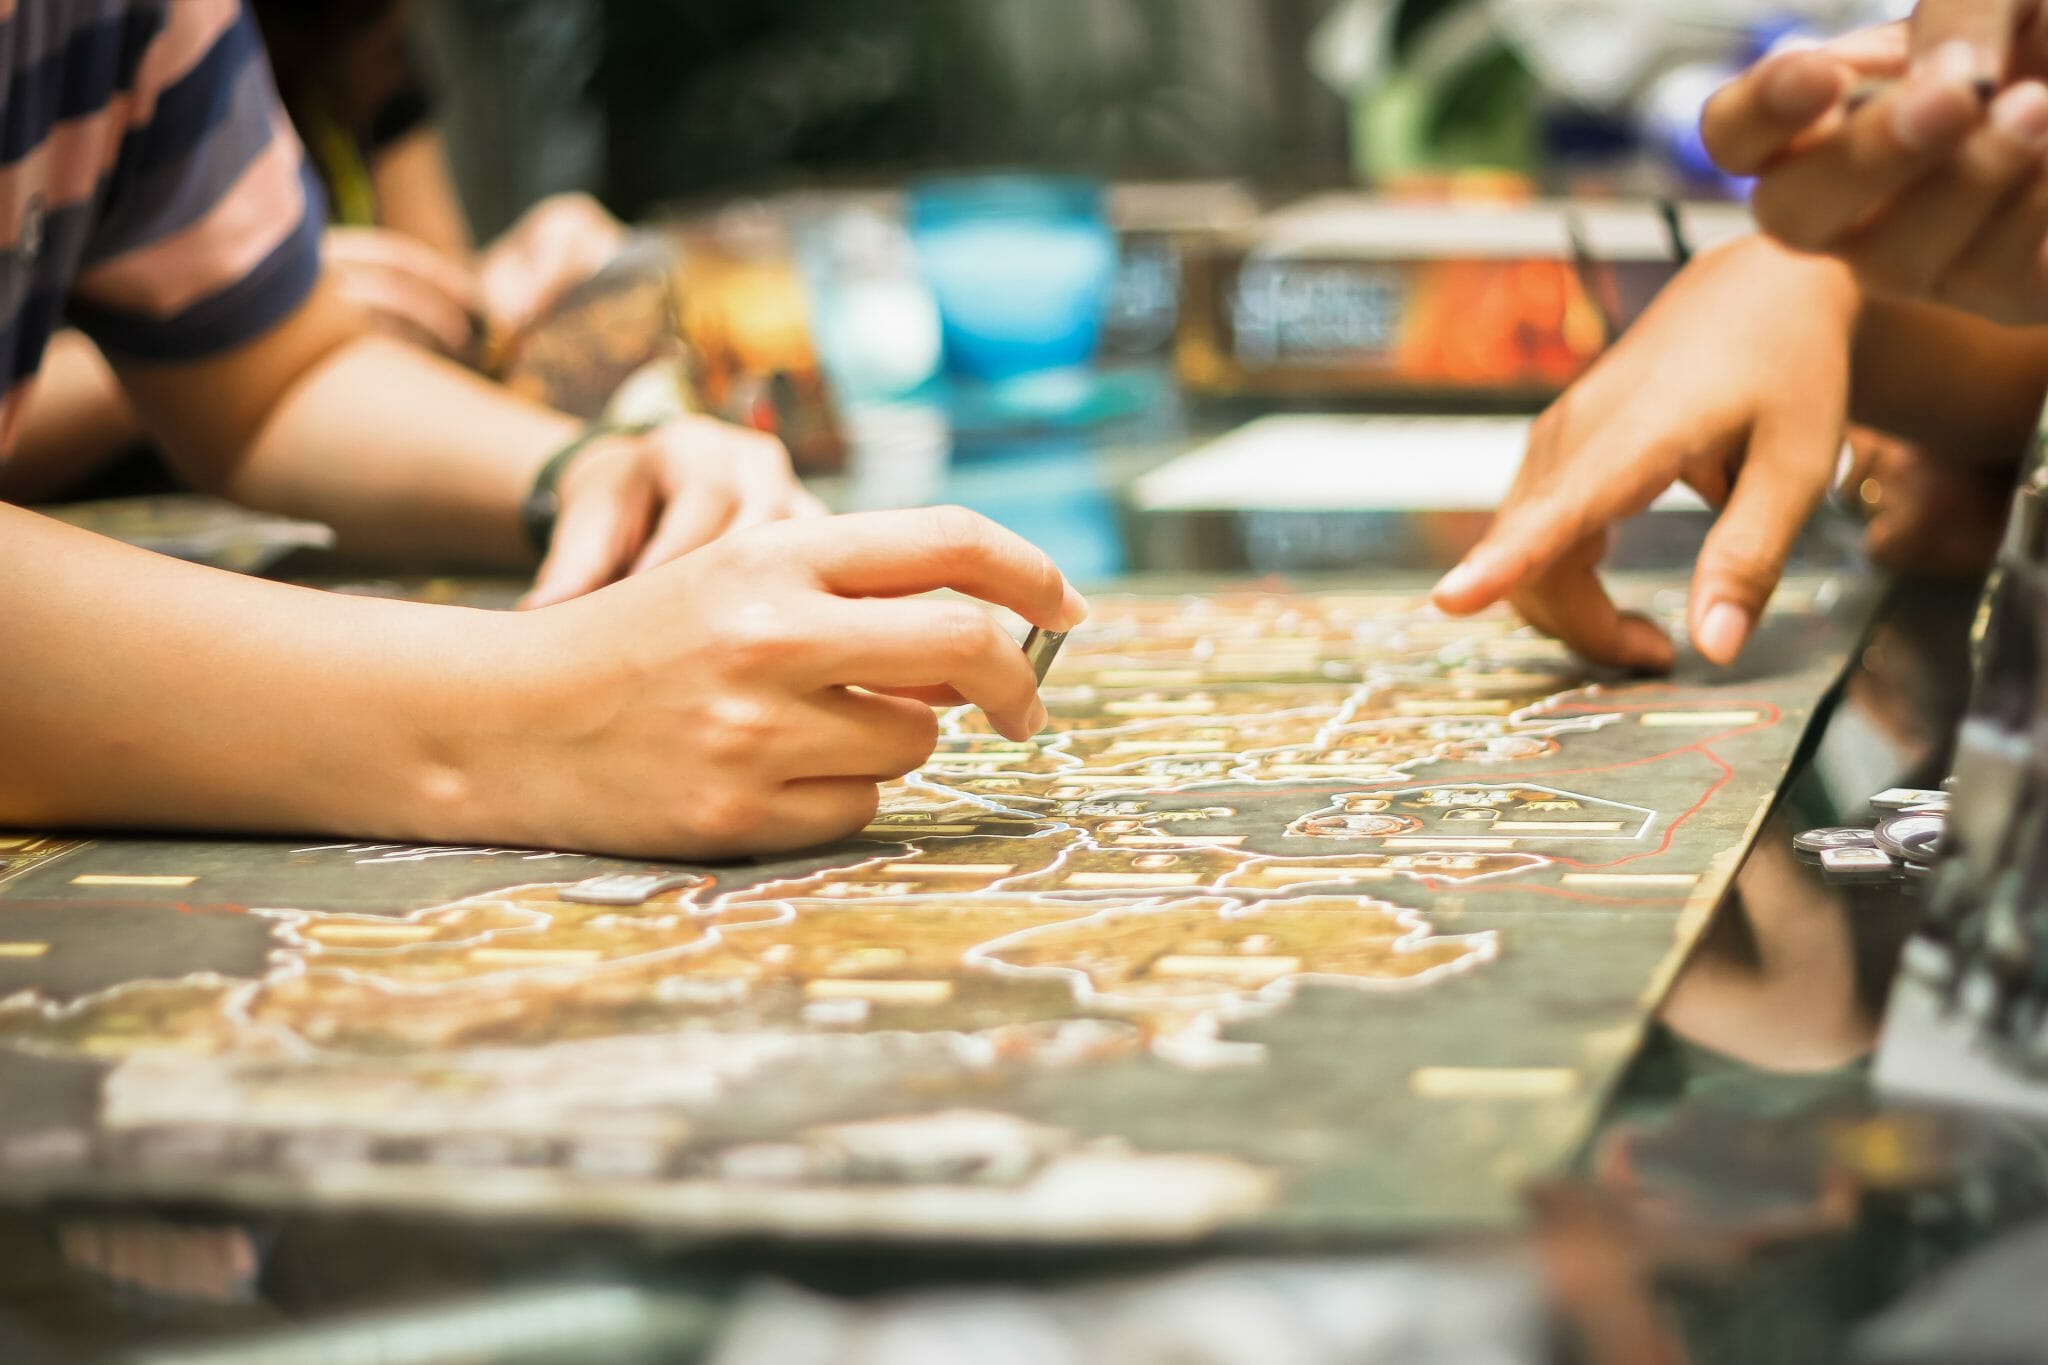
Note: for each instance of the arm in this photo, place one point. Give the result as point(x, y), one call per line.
point(147, 692)
point(408, 455)
point(748, 698)
point(401, 452)
point(76, 418)
point(1964, 389)
point(416, 194)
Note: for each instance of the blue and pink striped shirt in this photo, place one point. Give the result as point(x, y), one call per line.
point(151, 191)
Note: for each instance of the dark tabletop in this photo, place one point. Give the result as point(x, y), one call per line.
point(1747, 1196)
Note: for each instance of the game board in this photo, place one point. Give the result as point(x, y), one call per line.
point(1310, 917)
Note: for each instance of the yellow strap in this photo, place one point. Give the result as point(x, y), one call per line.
point(348, 179)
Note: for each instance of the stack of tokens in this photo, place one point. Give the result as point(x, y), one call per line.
point(1901, 843)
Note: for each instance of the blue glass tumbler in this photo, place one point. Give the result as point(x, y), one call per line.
point(1020, 267)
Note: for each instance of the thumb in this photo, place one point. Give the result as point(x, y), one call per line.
point(594, 541)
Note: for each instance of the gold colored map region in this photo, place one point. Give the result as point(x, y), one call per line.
point(20, 852)
point(524, 968)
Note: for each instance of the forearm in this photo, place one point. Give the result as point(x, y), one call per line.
point(416, 194)
point(405, 455)
point(76, 418)
point(142, 691)
point(1952, 383)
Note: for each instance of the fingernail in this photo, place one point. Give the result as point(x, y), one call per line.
point(1036, 720)
point(1929, 116)
point(1073, 608)
point(1459, 583)
point(2021, 113)
point(1722, 631)
point(1957, 63)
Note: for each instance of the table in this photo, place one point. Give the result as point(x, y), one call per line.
point(1745, 1194)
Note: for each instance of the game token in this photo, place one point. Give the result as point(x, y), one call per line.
point(626, 888)
point(1900, 798)
point(1857, 864)
point(1818, 841)
point(1910, 838)
point(1041, 647)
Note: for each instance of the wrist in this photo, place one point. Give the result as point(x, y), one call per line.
point(543, 501)
point(1809, 280)
point(468, 720)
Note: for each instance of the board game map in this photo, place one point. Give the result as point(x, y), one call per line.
point(1310, 917)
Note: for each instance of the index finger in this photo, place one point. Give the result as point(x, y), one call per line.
point(1570, 602)
point(902, 553)
point(384, 249)
point(1601, 482)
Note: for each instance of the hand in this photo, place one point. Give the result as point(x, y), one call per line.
point(630, 503)
point(406, 287)
point(556, 245)
point(1922, 191)
point(751, 696)
point(1927, 515)
point(1734, 381)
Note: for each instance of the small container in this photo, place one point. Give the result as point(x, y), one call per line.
point(1021, 267)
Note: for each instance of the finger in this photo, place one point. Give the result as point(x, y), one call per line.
point(2001, 274)
point(593, 542)
point(1744, 554)
point(1967, 39)
point(901, 553)
point(692, 519)
point(1912, 244)
point(1796, 95)
point(797, 814)
point(1610, 478)
point(765, 484)
point(1810, 199)
point(1570, 602)
point(817, 810)
point(866, 734)
point(409, 258)
point(938, 697)
point(886, 646)
point(807, 506)
point(1757, 116)
point(425, 312)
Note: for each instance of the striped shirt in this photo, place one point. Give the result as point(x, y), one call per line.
point(151, 192)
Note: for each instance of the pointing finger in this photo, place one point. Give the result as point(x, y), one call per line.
point(900, 554)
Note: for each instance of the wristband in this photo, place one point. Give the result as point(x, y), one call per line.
point(543, 502)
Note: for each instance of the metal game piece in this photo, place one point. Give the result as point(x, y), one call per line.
point(1857, 864)
point(625, 888)
point(1911, 838)
point(1900, 798)
point(1041, 647)
point(1819, 841)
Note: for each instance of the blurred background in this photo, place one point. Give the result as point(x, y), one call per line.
point(658, 102)
point(1111, 271)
